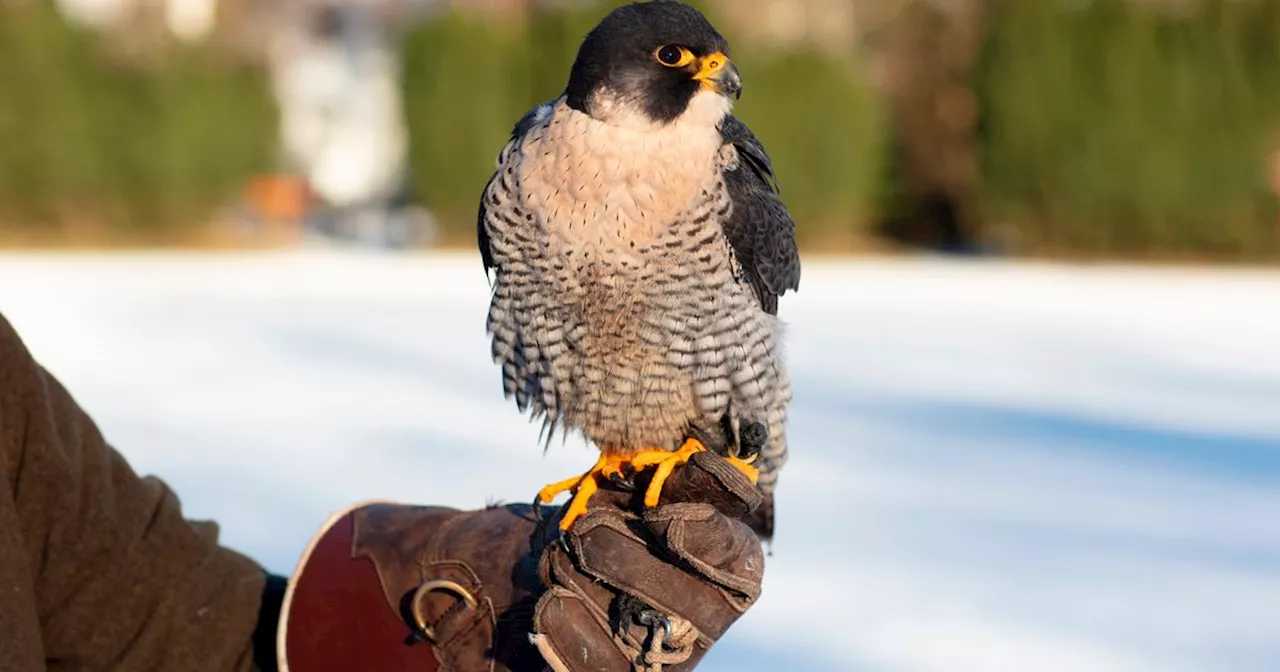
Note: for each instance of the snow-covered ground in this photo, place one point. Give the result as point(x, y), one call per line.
point(995, 466)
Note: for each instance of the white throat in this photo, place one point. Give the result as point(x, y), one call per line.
point(622, 175)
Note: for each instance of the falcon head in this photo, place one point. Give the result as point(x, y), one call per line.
point(654, 63)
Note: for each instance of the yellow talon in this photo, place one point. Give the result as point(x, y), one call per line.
point(666, 461)
point(582, 488)
point(578, 506)
point(747, 469)
point(549, 493)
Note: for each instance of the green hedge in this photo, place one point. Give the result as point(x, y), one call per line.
point(139, 150)
point(1105, 129)
point(468, 83)
point(1112, 130)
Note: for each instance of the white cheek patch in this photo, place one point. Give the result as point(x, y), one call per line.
point(708, 108)
point(705, 110)
point(613, 110)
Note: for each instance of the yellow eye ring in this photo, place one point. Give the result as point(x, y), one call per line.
point(673, 56)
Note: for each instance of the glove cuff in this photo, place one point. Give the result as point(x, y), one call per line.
point(387, 586)
point(335, 613)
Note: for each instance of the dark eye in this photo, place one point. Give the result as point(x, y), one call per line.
point(671, 56)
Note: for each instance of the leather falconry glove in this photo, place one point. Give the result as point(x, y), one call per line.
point(388, 587)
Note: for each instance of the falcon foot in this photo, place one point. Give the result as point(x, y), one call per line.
point(617, 468)
point(667, 462)
point(582, 487)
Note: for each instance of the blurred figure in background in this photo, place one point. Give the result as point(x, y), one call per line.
point(335, 70)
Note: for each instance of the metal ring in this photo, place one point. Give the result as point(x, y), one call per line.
point(415, 606)
point(654, 618)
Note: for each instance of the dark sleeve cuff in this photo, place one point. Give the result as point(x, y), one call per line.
point(264, 635)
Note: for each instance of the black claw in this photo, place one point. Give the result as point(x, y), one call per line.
point(537, 507)
point(625, 483)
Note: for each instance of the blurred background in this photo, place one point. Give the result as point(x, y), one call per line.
point(1089, 128)
point(1036, 350)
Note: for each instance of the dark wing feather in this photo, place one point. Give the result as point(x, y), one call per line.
point(760, 230)
point(528, 121)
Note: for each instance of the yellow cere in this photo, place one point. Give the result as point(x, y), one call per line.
point(711, 65)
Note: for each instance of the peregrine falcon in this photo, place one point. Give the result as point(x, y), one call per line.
point(638, 248)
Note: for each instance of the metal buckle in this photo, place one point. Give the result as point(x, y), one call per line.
point(415, 605)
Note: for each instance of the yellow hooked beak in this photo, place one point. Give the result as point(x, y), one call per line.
point(717, 73)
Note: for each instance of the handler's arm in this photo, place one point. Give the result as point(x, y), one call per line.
point(98, 567)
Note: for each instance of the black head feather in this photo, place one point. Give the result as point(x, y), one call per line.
point(618, 56)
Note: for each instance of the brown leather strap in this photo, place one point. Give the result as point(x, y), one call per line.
point(483, 555)
point(403, 543)
point(336, 616)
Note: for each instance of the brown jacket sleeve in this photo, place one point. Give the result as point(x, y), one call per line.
point(98, 568)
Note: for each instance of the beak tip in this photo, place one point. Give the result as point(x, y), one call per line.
point(735, 81)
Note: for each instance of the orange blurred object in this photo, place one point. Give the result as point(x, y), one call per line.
point(279, 197)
